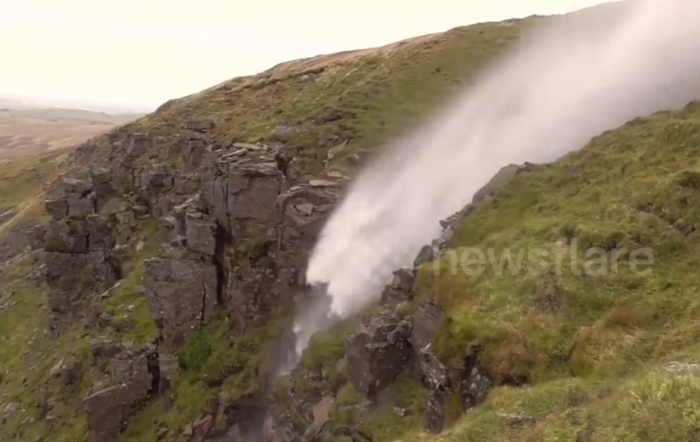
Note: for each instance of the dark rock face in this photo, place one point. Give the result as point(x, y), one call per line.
point(401, 287)
point(238, 227)
point(108, 410)
point(82, 244)
point(182, 294)
point(377, 353)
point(425, 323)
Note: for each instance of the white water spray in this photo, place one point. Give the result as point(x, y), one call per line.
point(587, 73)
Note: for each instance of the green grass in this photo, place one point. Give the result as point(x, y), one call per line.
point(367, 99)
point(27, 356)
point(128, 305)
point(585, 331)
point(22, 179)
point(213, 362)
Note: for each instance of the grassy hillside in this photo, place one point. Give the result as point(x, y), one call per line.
point(21, 185)
point(592, 340)
point(590, 345)
point(364, 97)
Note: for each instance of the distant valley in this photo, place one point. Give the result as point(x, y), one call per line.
point(26, 130)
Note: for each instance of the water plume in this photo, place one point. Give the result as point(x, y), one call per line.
point(567, 82)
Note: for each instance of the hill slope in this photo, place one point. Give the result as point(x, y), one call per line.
point(595, 341)
point(153, 304)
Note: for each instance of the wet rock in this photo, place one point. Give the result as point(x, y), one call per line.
point(425, 323)
point(401, 287)
point(375, 356)
point(300, 227)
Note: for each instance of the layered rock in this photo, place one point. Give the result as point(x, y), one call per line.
point(84, 244)
point(181, 291)
point(135, 377)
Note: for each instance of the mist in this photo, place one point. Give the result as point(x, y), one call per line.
point(583, 74)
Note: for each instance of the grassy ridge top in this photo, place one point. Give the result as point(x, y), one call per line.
point(365, 96)
point(591, 338)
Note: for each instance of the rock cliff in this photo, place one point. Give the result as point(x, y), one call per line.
point(154, 300)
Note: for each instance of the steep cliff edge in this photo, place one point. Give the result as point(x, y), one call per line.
point(155, 302)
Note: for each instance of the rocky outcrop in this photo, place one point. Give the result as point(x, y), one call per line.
point(425, 323)
point(238, 226)
point(135, 377)
point(181, 291)
point(377, 353)
point(401, 287)
point(84, 244)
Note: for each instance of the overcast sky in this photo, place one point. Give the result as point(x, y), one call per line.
point(147, 51)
